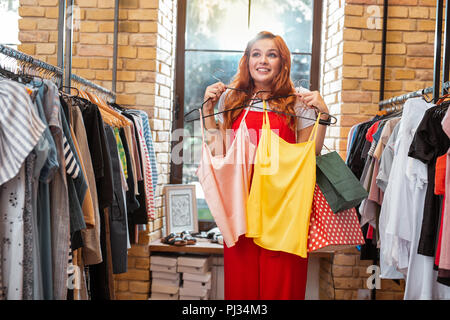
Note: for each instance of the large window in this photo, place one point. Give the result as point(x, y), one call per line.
point(212, 36)
point(9, 23)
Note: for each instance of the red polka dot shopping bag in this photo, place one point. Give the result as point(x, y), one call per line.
point(329, 231)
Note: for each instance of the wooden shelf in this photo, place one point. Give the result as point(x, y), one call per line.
point(204, 246)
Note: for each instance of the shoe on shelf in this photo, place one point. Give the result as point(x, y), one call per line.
point(211, 233)
point(190, 240)
point(173, 239)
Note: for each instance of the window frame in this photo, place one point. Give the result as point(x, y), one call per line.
point(176, 170)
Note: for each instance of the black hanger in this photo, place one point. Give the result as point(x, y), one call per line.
point(78, 92)
point(427, 100)
point(440, 110)
point(7, 74)
point(116, 106)
point(325, 122)
point(237, 89)
point(24, 79)
point(21, 77)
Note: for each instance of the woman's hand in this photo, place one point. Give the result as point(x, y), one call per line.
point(213, 93)
point(314, 99)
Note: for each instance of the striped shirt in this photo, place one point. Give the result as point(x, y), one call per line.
point(72, 167)
point(147, 170)
point(20, 128)
point(149, 142)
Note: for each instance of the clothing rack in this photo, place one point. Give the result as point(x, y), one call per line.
point(383, 104)
point(409, 95)
point(58, 72)
point(437, 59)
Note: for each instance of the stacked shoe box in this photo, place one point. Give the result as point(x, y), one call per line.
point(196, 277)
point(217, 279)
point(165, 278)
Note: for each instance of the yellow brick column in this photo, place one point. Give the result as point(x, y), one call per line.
point(146, 65)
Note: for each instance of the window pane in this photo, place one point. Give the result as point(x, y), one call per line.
point(200, 67)
point(300, 70)
point(223, 25)
point(199, 70)
point(217, 24)
point(9, 23)
point(291, 19)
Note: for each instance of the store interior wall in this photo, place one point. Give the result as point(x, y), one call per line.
point(350, 74)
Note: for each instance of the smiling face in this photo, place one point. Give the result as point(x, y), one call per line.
point(264, 63)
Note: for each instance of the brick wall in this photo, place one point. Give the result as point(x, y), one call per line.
point(351, 65)
point(350, 76)
point(155, 49)
point(343, 276)
point(352, 57)
point(145, 71)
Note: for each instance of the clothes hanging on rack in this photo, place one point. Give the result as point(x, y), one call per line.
point(397, 169)
point(358, 147)
point(71, 191)
point(429, 143)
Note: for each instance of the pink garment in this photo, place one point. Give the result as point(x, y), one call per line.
point(444, 258)
point(225, 180)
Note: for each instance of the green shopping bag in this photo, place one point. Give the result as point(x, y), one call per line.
point(339, 185)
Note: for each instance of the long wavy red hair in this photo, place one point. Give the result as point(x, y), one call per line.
point(281, 85)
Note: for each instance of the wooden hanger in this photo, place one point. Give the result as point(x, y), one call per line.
point(445, 97)
point(107, 116)
point(121, 120)
point(381, 112)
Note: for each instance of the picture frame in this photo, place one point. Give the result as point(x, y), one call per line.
point(180, 208)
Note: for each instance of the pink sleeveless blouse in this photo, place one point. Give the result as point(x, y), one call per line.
point(225, 180)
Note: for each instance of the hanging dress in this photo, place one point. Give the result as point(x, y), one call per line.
point(225, 180)
point(279, 205)
point(250, 271)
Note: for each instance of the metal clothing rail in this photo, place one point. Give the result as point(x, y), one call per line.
point(57, 71)
point(65, 35)
point(405, 97)
point(409, 95)
point(10, 52)
point(92, 85)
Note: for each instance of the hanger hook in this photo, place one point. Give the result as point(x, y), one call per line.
point(299, 83)
point(218, 70)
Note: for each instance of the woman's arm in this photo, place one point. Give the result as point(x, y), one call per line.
point(214, 131)
point(313, 99)
point(212, 95)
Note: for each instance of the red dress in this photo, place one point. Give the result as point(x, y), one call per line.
point(439, 189)
point(255, 273)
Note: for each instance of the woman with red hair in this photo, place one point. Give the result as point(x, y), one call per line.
point(253, 272)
